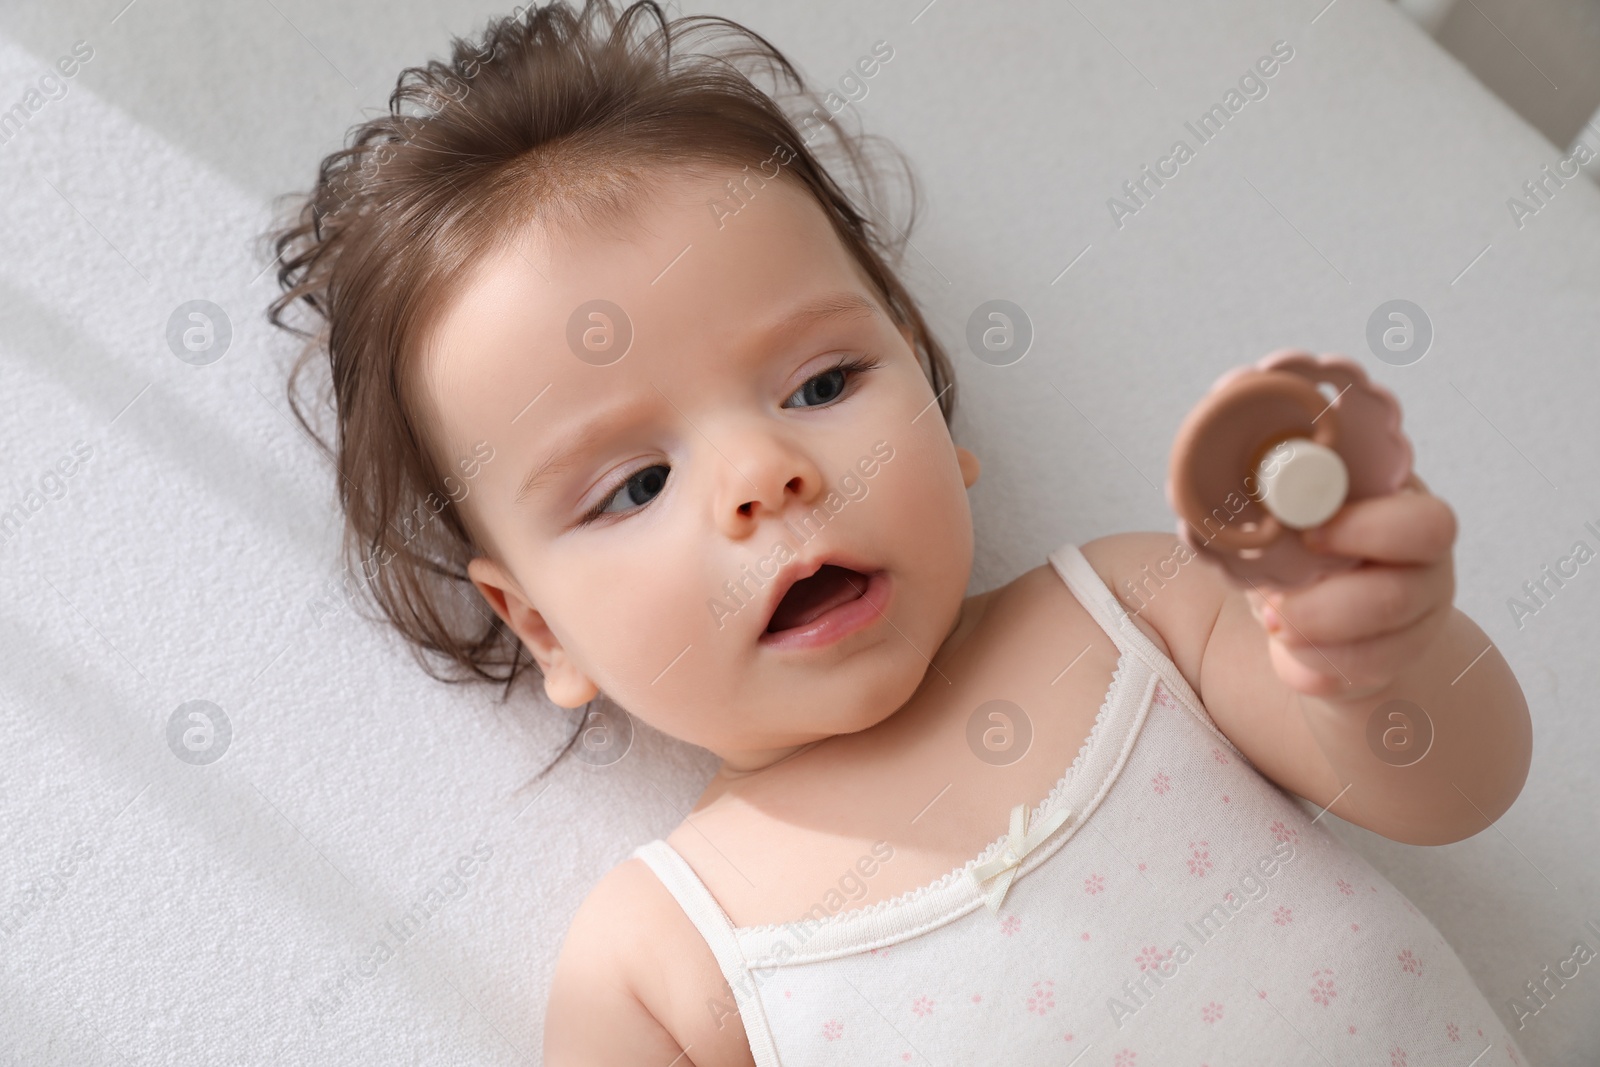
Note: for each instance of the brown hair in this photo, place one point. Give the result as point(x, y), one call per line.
point(549, 116)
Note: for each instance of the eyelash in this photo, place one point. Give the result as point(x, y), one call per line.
point(851, 365)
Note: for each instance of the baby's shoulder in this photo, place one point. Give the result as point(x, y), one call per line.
point(1040, 597)
point(635, 982)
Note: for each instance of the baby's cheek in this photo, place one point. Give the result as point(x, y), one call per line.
point(921, 496)
point(919, 516)
point(655, 633)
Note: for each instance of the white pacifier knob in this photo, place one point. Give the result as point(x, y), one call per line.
point(1302, 483)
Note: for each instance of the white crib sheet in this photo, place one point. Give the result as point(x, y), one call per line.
point(158, 911)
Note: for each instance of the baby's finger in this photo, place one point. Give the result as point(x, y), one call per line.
point(1408, 526)
point(1346, 670)
point(1356, 605)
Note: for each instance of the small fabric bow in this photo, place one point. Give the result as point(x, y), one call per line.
point(1003, 867)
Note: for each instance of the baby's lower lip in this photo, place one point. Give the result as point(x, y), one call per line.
point(837, 623)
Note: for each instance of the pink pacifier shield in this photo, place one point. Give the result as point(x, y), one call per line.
point(1257, 413)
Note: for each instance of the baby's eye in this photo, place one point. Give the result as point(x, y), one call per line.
point(641, 487)
point(827, 386)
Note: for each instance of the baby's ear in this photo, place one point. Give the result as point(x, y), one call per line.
point(498, 589)
point(969, 466)
point(564, 683)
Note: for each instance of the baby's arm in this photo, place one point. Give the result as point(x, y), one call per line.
point(1298, 702)
point(636, 984)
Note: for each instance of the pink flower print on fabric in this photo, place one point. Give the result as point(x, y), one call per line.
point(1199, 858)
point(1219, 755)
point(1280, 915)
point(1161, 783)
point(922, 1006)
point(1397, 1057)
point(1010, 925)
point(1211, 1012)
point(1043, 997)
point(1125, 1058)
point(1093, 884)
point(1284, 833)
point(833, 1029)
point(1409, 963)
point(1453, 1031)
point(1346, 888)
point(1322, 990)
point(1150, 958)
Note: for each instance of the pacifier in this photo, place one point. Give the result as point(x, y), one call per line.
point(1275, 449)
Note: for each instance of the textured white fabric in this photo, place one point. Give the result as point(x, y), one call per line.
point(1188, 912)
point(229, 904)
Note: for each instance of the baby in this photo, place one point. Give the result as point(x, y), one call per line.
point(595, 305)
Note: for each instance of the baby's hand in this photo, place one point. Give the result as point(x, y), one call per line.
point(1350, 634)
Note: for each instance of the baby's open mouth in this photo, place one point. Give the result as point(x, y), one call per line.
point(816, 595)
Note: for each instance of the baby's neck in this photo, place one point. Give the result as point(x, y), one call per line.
point(734, 768)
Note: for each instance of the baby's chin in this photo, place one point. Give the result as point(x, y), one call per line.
point(772, 725)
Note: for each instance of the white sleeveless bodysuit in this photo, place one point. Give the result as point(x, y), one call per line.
point(1171, 906)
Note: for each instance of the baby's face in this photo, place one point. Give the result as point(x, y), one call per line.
point(720, 455)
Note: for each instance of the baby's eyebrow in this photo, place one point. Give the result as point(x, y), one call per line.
point(842, 304)
point(560, 460)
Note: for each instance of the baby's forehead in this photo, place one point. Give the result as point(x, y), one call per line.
point(557, 300)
